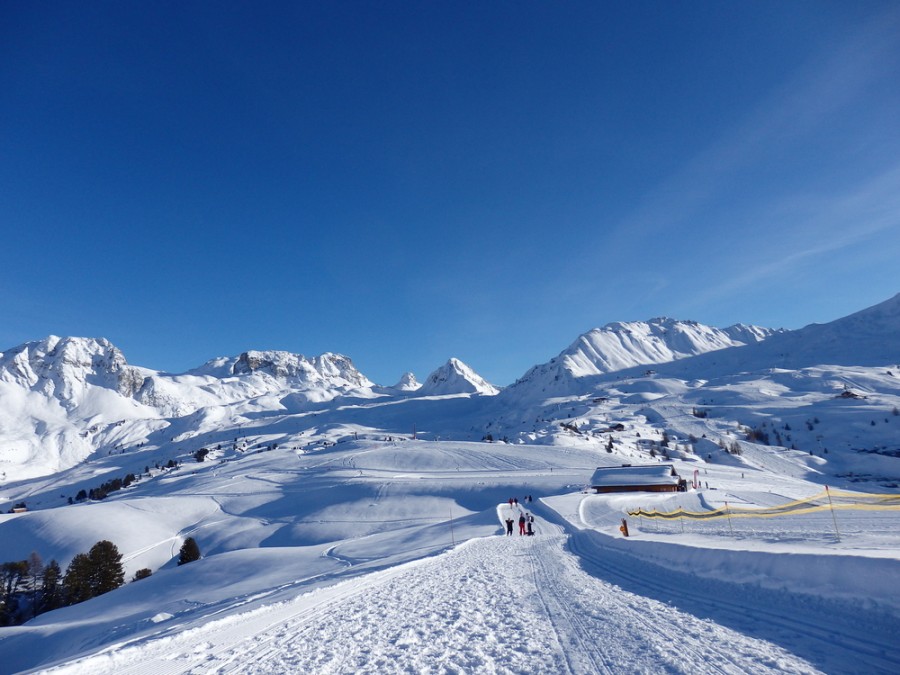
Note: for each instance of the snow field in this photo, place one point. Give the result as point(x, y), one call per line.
point(307, 569)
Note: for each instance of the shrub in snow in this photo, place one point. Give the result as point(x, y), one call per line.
point(142, 573)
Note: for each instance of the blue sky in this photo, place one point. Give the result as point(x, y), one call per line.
point(405, 182)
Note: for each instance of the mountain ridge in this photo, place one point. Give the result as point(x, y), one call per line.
point(622, 345)
point(62, 399)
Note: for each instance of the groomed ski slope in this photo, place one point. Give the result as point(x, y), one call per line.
point(520, 605)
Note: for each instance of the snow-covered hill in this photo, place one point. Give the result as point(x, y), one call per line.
point(386, 556)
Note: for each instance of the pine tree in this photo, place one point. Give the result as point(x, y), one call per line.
point(35, 577)
point(107, 573)
point(94, 573)
point(189, 551)
point(13, 576)
point(51, 591)
point(77, 580)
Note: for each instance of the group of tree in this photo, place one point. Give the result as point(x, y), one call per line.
point(115, 484)
point(98, 493)
point(28, 587)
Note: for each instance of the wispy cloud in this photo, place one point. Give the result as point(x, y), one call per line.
point(799, 108)
point(868, 212)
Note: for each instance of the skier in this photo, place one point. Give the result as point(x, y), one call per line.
point(530, 521)
point(509, 524)
point(516, 501)
point(522, 524)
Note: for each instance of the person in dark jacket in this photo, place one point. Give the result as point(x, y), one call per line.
point(530, 520)
point(522, 524)
point(509, 524)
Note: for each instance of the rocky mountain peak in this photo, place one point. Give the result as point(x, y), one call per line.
point(455, 377)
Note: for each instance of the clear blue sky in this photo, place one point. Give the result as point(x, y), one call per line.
point(403, 182)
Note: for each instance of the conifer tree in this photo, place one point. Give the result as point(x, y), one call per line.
point(189, 551)
point(51, 591)
point(13, 576)
point(35, 577)
point(94, 573)
point(77, 580)
point(107, 573)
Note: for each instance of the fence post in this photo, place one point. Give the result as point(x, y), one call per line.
point(728, 513)
point(833, 517)
point(452, 538)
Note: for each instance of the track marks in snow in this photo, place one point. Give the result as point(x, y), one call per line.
point(606, 629)
point(494, 605)
point(836, 637)
point(464, 612)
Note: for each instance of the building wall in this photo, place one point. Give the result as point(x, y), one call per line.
point(603, 489)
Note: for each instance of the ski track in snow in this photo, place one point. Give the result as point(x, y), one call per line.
point(494, 605)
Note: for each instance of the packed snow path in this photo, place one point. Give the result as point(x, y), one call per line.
point(495, 605)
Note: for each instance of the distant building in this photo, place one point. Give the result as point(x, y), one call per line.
point(627, 478)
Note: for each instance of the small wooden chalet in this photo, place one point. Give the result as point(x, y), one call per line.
point(646, 478)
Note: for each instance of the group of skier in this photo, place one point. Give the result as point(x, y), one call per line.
point(526, 520)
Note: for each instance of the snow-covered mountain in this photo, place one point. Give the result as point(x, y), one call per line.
point(228, 380)
point(870, 337)
point(330, 370)
point(622, 345)
point(67, 368)
point(407, 383)
point(56, 395)
point(65, 399)
point(455, 377)
point(62, 399)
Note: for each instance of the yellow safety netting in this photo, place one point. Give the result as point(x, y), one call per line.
point(829, 499)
